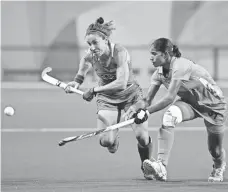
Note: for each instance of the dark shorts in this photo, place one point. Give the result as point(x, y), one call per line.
point(134, 98)
point(214, 123)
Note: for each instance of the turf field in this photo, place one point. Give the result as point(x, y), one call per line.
point(33, 162)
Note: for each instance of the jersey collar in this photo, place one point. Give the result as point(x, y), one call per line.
point(160, 68)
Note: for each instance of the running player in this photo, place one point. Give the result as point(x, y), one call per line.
point(117, 89)
point(199, 95)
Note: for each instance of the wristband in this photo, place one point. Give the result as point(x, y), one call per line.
point(79, 79)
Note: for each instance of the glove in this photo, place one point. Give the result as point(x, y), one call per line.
point(71, 84)
point(141, 116)
point(89, 94)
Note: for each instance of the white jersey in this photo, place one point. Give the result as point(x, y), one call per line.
point(204, 98)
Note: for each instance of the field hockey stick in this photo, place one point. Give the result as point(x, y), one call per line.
point(49, 79)
point(91, 134)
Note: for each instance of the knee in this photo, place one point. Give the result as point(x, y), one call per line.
point(215, 152)
point(143, 140)
point(172, 117)
point(106, 141)
point(141, 133)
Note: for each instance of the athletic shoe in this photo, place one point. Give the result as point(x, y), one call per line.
point(155, 168)
point(217, 173)
point(147, 175)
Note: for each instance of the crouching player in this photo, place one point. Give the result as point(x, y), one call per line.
point(199, 96)
point(117, 88)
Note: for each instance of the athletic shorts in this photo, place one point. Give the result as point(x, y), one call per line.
point(215, 123)
point(133, 98)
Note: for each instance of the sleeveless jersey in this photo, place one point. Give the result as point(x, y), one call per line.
point(106, 70)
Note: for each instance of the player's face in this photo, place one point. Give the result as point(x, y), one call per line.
point(157, 58)
point(97, 44)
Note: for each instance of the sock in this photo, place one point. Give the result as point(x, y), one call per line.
point(222, 158)
point(165, 143)
point(145, 152)
point(215, 141)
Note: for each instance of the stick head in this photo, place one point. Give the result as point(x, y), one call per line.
point(61, 143)
point(46, 70)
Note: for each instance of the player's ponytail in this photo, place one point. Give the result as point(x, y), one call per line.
point(176, 51)
point(100, 20)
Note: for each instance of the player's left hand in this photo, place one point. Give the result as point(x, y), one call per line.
point(141, 116)
point(89, 94)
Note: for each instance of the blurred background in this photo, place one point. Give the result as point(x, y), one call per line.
point(36, 34)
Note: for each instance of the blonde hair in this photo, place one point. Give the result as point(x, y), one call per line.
point(101, 28)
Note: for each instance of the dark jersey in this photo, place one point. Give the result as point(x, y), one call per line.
point(106, 70)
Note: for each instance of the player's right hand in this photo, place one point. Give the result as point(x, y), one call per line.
point(71, 84)
point(89, 94)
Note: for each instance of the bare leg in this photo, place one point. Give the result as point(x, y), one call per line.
point(108, 139)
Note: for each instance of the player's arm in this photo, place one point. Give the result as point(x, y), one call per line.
point(181, 72)
point(141, 115)
point(155, 84)
point(153, 89)
point(168, 98)
point(146, 101)
point(122, 74)
point(84, 66)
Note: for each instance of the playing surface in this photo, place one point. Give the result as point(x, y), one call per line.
point(32, 161)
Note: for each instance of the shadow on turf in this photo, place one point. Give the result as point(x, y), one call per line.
point(193, 182)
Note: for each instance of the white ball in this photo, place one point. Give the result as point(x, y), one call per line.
point(9, 111)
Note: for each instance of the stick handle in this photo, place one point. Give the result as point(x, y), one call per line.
point(56, 82)
point(63, 85)
point(76, 91)
point(119, 125)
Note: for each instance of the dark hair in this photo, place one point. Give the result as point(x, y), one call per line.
point(176, 51)
point(100, 27)
point(165, 45)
